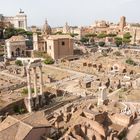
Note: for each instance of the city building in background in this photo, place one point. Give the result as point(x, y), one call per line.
point(18, 21)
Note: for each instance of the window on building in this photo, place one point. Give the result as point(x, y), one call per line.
point(45, 46)
point(63, 43)
point(18, 52)
point(23, 53)
point(21, 24)
point(12, 54)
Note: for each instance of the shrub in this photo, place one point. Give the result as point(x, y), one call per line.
point(18, 63)
point(49, 60)
point(18, 109)
point(84, 40)
point(25, 91)
point(102, 35)
point(101, 44)
point(131, 62)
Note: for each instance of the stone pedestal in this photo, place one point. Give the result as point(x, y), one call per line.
point(41, 80)
point(36, 103)
point(42, 100)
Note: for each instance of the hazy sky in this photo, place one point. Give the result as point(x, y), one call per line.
point(75, 12)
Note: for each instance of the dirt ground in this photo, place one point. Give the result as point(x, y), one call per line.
point(56, 74)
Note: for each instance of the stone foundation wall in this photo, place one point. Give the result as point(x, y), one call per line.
point(10, 108)
point(13, 87)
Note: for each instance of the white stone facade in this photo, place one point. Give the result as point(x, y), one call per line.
point(19, 21)
point(15, 47)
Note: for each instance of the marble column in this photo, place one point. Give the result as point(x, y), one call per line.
point(29, 84)
point(35, 89)
point(29, 99)
point(35, 82)
point(41, 80)
point(42, 101)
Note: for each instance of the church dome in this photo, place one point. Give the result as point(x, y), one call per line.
point(46, 29)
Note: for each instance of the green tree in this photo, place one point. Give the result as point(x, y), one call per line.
point(20, 31)
point(126, 38)
point(73, 34)
point(126, 41)
point(127, 35)
point(111, 35)
point(118, 41)
point(102, 35)
point(9, 32)
point(84, 40)
point(90, 35)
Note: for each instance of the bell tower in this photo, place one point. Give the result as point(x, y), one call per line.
point(122, 23)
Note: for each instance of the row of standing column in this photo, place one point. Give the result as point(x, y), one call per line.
point(35, 82)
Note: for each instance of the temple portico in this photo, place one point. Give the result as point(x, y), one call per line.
point(38, 100)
